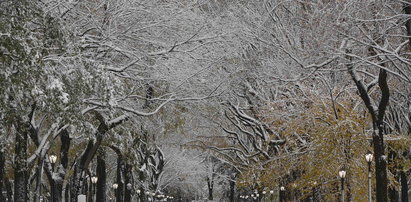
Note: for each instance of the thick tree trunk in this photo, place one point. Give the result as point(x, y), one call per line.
point(128, 180)
point(20, 171)
point(101, 174)
point(38, 180)
point(75, 184)
point(64, 152)
point(54, 188)
point(380, 167)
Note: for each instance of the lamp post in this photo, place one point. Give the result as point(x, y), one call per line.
point(282, 190)
point(368, 158)
point(94, 182)
point(271, 195)
point(263, 192)
point(342, 173)
point(53, 160)
point(138, 191)
point(313, 194)
point(115, 186)
point(153, 196)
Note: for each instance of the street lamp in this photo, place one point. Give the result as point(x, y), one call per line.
point(263, 193)
point(368, 158)
point(342, 174)
point(271, 195)
point(53, 160)
point(313, 194)
point(115, 186)
point(138, 191)
point(94, 181)
point(282, 190)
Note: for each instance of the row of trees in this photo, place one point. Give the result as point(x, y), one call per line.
point(278, 93)
point(323, 83)
point(89, 82)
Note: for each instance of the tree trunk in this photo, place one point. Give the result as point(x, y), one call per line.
point(67, 193)
point(210, 185)
point(101, 174)
point(39, 178)
point(91, 149)
point(128, 177)
point(75, 183)
point(120, 189)
point(2, 174)
point(64, 153)
point(407, 10)
point(232, 190)
point(404, 187)
point(380, 167)
point(141, 178)
point(20, 171)
point(9, 189)
point(377, 114)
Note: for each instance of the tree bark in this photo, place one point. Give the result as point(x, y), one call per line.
point(9, 189)
point(2, 174)
point(120, 189)
point(20, 171)
point(407, 10)
point(232, 190)
point(128, 179)
point(404, 186)
point(210, 185)
point(102, 176)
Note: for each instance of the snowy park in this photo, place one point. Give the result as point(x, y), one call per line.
point(205, 100)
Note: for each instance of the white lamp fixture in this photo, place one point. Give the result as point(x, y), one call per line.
point(138, 191)
point(342, 173)
point(115, 186)
point(271, 191)
point(264, 192)
point(369, 157)
point(53, 159)
point(282, 188)
point(94, 179)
